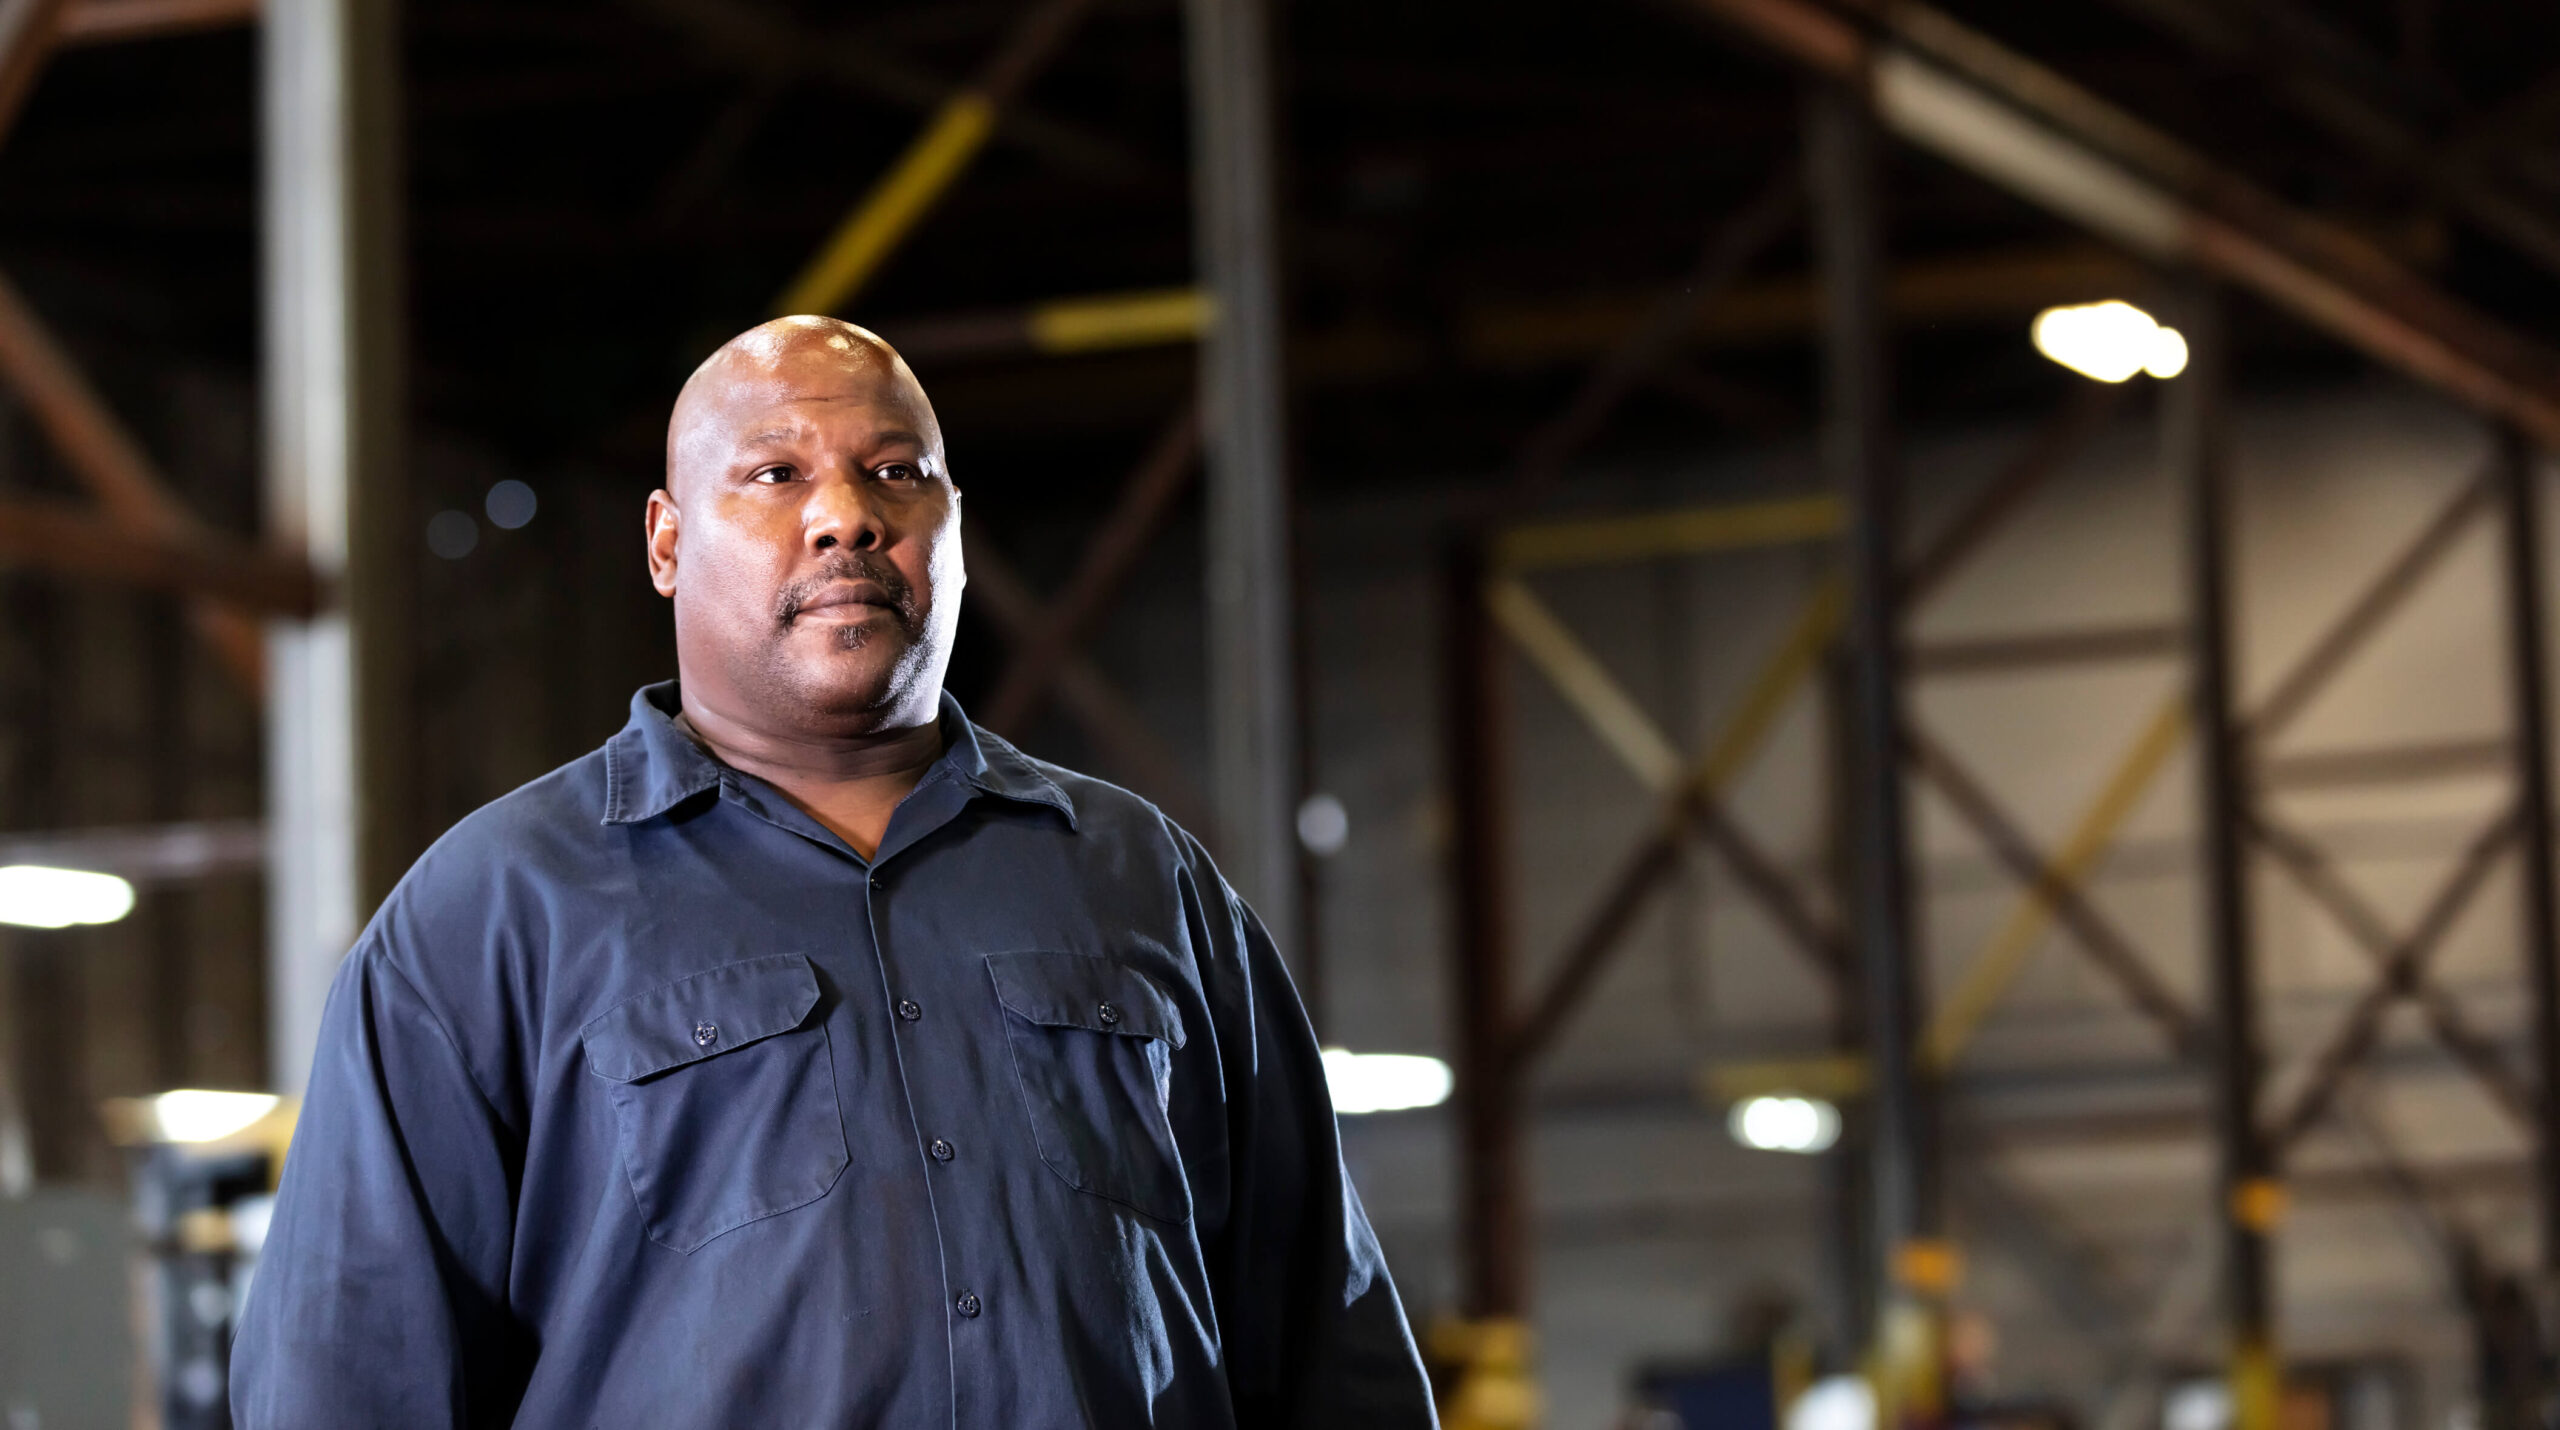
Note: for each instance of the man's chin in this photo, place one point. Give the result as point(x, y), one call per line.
point(864, 685)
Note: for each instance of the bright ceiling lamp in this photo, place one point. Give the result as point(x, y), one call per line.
point(1384, 1082)
point(1784, 1124)
point(194, 1115)
point(2109, 341)
point(33, 896)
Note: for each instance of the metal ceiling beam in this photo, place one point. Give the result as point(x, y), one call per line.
point(1958, 94)
point(2375, 132)
point(1118, 731)
point(1067, 618)
point(70, 540)
point(2476, 1052)
point(112, 464)
point(2403, 970)
point(902, 197)
point(757, 41)
point(96, 22)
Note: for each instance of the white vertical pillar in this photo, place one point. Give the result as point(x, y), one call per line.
point(335, 698)
point(1253, 747)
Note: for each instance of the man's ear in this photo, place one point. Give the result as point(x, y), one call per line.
point(660, 525)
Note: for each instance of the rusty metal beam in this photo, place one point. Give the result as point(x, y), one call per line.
point(2529, 729)
point(998, 592)
point(1067, 618)
point(2043, 650)
point(2357, 624)
point(112, 464)
point(2028, 129)
point(2384, 764)
point(95, 22)
point(29, 30)
point(2451, 174)
point(1494, 1255)
point(1738, 239)
point(2403, 969)
point(69, 540)
point(1534, 1030)
point(765, 45)
point(2062, 436)
point(2312, 871)
point(2059, 887)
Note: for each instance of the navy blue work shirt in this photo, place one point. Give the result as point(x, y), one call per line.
point(645, 1101)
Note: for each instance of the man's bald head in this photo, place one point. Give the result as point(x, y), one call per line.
point(809, 534)
point(780, 355)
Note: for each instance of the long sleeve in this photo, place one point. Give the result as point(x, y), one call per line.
point(379, 1299)
point(1315, 1333)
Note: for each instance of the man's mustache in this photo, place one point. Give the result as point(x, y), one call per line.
point(851, 566)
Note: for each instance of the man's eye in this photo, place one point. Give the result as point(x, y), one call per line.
point(898, 472)
point(772, 475)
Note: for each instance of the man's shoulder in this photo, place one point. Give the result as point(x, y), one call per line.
point(548, 829)
point(1097, 806)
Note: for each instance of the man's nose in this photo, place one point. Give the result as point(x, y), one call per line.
point(842, 512)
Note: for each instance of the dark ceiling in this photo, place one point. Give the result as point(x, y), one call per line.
point(599, 192)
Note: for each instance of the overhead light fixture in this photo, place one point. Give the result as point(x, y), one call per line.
point(1384, 1082)
point(1784, 1124)
point(2109, 341)
point(37, 897)
point(195, 1115)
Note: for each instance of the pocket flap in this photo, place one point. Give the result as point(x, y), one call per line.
point(702, 1016)
point(1068, 990)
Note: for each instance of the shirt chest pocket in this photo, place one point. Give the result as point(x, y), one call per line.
point(1092, 1044)
point(724, 1097)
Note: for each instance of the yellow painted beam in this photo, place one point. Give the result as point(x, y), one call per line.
point(1653, 535)
point(904, 195)
point(2005, 956)
point(1586, 685)
point(1120, 320)
point(1816, 623)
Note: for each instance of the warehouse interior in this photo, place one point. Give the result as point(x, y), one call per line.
point(1885, 667)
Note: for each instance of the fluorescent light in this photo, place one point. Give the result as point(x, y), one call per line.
point(194, 1115)
point(2109, 341)
point(1785, 1124)
point(33, 896)
point(1384, 1082)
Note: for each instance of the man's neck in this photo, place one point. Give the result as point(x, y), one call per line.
point(850, 784)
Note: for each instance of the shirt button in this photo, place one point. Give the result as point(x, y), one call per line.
point(944, 1151)
point(1109, 1013)
point(967, 1305)
point(705, 1034)
point(910, 1009)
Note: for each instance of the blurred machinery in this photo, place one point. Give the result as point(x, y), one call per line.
point(204, 1168)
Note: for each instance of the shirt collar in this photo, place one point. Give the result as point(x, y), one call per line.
point(651, 766)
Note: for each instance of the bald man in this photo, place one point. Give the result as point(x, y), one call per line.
point(807, 1056)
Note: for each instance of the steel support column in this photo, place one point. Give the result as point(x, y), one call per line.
point(337, 815)
point(1252, 694)
point(1493, 1251)
point(2250, 1199)
point(2519, 468)
point(1916, 1263)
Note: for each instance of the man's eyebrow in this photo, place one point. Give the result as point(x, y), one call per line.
point(770, 435)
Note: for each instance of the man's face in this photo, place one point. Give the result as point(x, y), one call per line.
point(809, 535)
